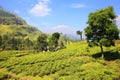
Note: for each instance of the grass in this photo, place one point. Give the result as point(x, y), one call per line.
point(76, 62)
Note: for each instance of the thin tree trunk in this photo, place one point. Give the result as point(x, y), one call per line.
point(81, 37)
point(101, 47)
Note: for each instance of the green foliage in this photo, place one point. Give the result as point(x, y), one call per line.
point(98, 29)
point(11, 43)
point(53, 41)
point(79, 33)
point(3, 74)
point(28, 44)
point(18, 35)
point(101, 27)
point(15, 33)
point(41, 43)
point(107, 42)
point(61, 45)
point(72, 63)
point(20, 31)
point(6, 75)
point(56, 35)
point(14, 25)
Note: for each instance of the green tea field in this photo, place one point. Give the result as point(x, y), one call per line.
point(76, 62)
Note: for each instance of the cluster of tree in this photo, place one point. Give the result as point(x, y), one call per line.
point(9, 42)
point(49, 44)
point(102, 30)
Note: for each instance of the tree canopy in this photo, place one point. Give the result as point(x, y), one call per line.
point(53, 42)
point(42, 43)
point(101, 27)
point(79, 33)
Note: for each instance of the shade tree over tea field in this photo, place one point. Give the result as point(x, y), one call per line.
point(101, 28)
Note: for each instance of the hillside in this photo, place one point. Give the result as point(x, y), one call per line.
point(16, 26)
point(76, 62)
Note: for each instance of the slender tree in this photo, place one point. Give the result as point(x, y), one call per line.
point(101, 28)
point(79, 33)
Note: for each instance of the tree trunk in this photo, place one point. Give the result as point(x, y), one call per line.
point(81, 37)
point(101, 47)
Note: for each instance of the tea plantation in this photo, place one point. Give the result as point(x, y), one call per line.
point(76, 62)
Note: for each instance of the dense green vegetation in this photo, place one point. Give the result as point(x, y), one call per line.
point(76, 62)
point(9, 42)
point(15, 26)
point(43, 43)
point(16, 34)
point(101, 28)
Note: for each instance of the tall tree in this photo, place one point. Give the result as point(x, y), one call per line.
point(28, 44)
point(14, 43)
point(79, 33)
point(53, 42)
point(42, 43)
point(55, 38)
point(101, 28)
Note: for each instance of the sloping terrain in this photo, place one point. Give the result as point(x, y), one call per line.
point(13, 25)
point(76, 62)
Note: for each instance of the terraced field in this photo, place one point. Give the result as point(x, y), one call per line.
point(76, 62)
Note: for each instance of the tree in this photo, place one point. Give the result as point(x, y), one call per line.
point(28, 43)
point(41, 43)
point(53, 42)
point(101, 28)
point(79, 33)
point(56, 35)
point(14, 44)
point(55, 38)
point(5, 40)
